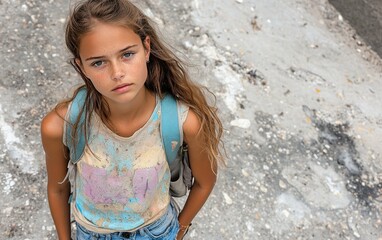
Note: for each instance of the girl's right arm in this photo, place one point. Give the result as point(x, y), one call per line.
point(56, 156)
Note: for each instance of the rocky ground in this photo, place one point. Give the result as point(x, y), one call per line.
point(298, 92)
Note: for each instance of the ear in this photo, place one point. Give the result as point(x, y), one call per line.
point(146, 44)
point(80, 65)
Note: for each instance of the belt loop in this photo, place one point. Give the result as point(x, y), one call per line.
point(95, 236)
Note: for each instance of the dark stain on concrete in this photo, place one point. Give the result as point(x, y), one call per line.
point(343, 150)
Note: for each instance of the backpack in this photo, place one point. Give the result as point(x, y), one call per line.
point(171, 133)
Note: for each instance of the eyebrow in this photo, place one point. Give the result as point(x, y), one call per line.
point(120, 51)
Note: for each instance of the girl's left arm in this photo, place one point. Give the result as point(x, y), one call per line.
point(203, 171)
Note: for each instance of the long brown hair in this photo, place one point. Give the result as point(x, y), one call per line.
point(166, 72)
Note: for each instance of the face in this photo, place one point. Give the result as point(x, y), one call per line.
point(114, 59)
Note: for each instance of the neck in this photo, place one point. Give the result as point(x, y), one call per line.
point(125, 119)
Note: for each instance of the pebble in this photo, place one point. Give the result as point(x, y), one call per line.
point(285, 213)
point(263, 189)
point(227, 198)
point(187, 45)
point(282, 184)
point(250, 226)
point(7, 211)
point(245, 173)
point(241, 123)
point(24, 7)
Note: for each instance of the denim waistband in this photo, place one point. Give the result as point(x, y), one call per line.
point(162, 228)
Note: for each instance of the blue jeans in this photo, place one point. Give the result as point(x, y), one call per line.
point(165, 228)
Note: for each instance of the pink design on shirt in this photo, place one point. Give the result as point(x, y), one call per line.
point(145, 182)
point(105, 187)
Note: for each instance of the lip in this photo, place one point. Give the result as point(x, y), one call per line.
point(122, 88)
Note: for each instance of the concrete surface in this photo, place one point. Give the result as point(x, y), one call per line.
point(297, 89)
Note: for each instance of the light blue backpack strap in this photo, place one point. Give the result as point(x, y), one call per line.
point(74, 111)
point(170, 127)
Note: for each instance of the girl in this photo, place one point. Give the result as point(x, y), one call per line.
point(122, 180)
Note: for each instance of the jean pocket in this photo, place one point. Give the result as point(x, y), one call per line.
point(163, 227)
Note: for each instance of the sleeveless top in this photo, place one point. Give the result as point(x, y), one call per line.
point(122, 183)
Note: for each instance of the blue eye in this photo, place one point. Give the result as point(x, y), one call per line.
point(128, 55)
point(97, 64)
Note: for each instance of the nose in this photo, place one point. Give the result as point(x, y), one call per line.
point(117, 71)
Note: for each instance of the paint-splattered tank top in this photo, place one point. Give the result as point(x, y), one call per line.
point(124, 185)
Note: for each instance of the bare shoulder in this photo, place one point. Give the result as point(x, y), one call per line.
point(191, 126)
point(52, 124)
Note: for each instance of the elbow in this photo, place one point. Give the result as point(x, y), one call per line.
point(206, 186)
point(58, 189)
